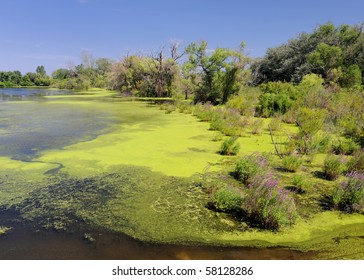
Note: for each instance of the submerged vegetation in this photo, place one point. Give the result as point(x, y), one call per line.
point(238, 155)
point(4, 230)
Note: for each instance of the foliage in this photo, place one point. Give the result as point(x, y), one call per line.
point(352, 76)
point(356, 163)
point(244, 102)
point(349, 195)
point(276, 97)
point(324, 52)
point(249, 167)
point(227, 199)
point(90, 73)
point(229, 147)
point(345, 147)
point(227, 121)
point(333, 167)
point(301, 181)
point(257, 126)
point(16, 79)
point(291, 163)
point(275, 124)
point(310, 121)
point(219, 72)
point(268, 205)
point(151, 76)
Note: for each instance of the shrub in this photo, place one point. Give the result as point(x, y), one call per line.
point(301, 182)
point(275, 124)
point(333, 167)
point(230, 147)
point(269, 206)
point(205, 112)
point(291, 163)
point(356, 163)
point(184, 107)
point(217, 136)
point(257, 126)
point(345, 147)
point(249, 167)
point(349, 195)
point(227, 199)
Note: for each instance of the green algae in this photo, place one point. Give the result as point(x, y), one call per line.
point(174, 144)
point(137, 173)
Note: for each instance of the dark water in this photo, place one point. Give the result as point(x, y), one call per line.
point(27, 243)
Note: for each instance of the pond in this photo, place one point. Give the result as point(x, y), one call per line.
point(95, 177)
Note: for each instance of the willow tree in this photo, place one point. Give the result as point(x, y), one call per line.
point(219, 71)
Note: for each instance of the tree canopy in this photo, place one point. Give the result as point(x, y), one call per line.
point(332, 52)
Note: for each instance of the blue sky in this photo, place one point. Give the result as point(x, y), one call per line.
point(54, 33)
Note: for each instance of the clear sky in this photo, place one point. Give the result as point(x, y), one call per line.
point(54, 32)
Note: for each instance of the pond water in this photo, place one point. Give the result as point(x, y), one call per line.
point(14, 94)
point(119, 169)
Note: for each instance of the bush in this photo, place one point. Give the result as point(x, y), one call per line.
point(333, 167)
point(227, 199)
point(249, 167)
point(356, 163)
point(230, 147)
point(349, 195)
point(345, 147)
point(275, 124)
point(257, 126)
point(301, 182)
point(269, 206)
point(291, 163)
point(205, 112)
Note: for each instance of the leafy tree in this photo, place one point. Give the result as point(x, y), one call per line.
point(352, 76)
point(276, 97)
point(41, 71)
point(219, 72)
point(325, 58)
point(327, 51)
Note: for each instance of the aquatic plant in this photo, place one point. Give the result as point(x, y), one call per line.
point(349, 194)
point(301, 181)
point(345, 147)
point(250, 166)
point(4, 230)
point(333, 167)
point(227, 199)
point(229, 147)
point(291, 163)
point(257, 126)
point(356, 163)
point(267, 205)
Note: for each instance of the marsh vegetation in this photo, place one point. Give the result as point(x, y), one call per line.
point(220, 150)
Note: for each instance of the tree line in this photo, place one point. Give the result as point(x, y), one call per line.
point(335, 54)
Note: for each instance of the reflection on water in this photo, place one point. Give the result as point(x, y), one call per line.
point(26, 243)
point(18, 94)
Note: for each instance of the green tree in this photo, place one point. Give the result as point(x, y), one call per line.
point(352, 76)
point(325, 58)
point(219, 71)
point(41, 71)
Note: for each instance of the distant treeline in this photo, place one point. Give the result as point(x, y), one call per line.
point(336, 54)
